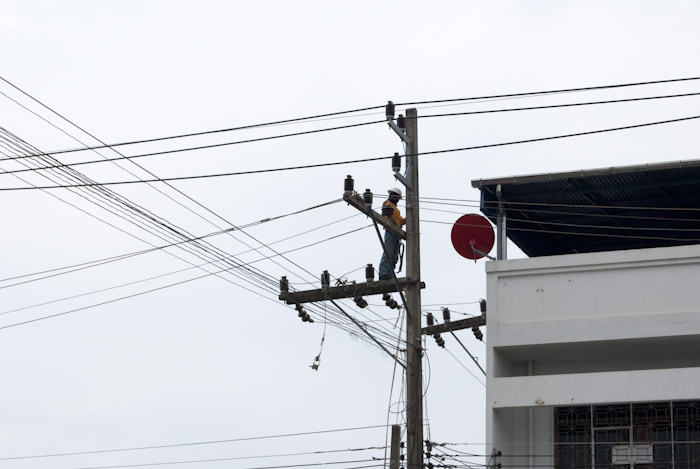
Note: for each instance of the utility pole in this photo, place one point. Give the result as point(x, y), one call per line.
point(407, 129)
point(414, 349)
point(395, 455)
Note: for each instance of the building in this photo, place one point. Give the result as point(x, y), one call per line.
point(594, 340)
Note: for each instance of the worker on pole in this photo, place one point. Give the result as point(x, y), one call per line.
point(391, 241)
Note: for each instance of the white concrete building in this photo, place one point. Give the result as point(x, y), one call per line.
point(593, 342)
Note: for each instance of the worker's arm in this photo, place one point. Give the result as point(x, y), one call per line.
point(397, 218)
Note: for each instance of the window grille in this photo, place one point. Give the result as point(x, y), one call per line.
point(652, 435)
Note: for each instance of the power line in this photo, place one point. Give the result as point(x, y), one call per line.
point(476, 362)
point(465, 368)
point(238, 458)
point(198, 443)
point(330, 463)
point(136, 282)
point(212, 250)
point(339, 324)
point(208, 274)
point(74, 268)
point(208, 250)
point(171, 232)
point(581, 225)
point(454, 304)
point(309, 132)
point(362, 160)
point(453, 311)
point(307, 246)
point(114, 300)
point(557, 106)
point(160, 180)
point(144, 219)
point(194, 134)
point(596, 226)
point(442, 455)
point(265, 456)
point(85, 265)
point(88, 213)
point(364, 329)
point(617, 207)
point(199, 147)
point(478, 204)
point(578, 233)
point(567, 90)
point(109, 195)
point(346, 112)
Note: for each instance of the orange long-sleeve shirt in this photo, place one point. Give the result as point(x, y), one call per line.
point(396, 217)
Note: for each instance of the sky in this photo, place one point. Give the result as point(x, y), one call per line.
point(153, 350)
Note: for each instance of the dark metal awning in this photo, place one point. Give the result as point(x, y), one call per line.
point(608, 209)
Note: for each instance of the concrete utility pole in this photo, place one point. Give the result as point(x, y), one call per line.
point(395, 455)
point(412, 284)
point(414, 350)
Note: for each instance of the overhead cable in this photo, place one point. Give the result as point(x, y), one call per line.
point(607, 207)
point(364, 329)
point(465, 368)
point(269, 288)
point(581, 225)
point(98, 262)
point(207, 248)
point(208, 274)
point(114, 300)
point(194, 134)
point(239, 458)
point(136, 282)
point(125, 209)
point(197, 443)
point(479, 203)
point(328, 463)
point(172, 233)
point(476, 362)
point(578, 233)
point(309, 132)
point(270, 280)
point(555, 106)
point(566, 90)
point(331, 114)
point(198, 147)
point(362, 160)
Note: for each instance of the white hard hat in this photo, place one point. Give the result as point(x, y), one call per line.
point(396, 190)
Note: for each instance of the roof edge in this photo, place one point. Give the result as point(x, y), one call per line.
point(544, 177)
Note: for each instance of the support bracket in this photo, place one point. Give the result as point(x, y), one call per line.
point(346, 291)
point(403, 180)
point(455, 325)
point(356, 201)
point(402, 135)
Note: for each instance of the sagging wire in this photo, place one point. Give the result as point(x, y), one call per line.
point(317, 360)
point(476, 362)
point(358, 324)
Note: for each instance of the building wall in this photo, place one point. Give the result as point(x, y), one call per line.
point(585, 329)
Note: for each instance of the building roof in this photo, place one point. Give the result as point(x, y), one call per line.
point(597, 210)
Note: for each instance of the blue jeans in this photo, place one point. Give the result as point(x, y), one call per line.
point(391, 244)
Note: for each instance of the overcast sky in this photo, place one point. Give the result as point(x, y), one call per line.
point(220, 358)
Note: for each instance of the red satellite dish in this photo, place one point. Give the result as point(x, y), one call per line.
point(472, 236)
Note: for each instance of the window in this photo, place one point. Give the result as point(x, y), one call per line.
point(654, 435)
